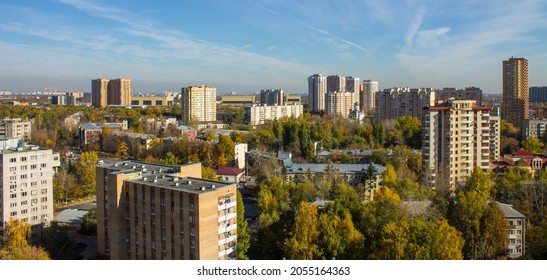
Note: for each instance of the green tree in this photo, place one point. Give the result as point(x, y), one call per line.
point(411, 130)
point(225, 150)
point(339, 238)
point(302, 246)
point(533, 145)
point(243, 238)
point(85, 170)
point(208, 173)
point(89, 222)
point(122, 151)
point(389, 177)
point(170, 159)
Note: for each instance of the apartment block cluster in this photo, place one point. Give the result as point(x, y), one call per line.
point(340, 95)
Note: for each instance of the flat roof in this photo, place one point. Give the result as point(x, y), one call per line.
point(163, 176)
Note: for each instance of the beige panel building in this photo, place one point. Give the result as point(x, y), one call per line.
point(99, 92)
point(516, 247)
point(150, 211)
point(16, 128)
point(119, 92)
point(458, 137)
point(394, 103)
point(339, 103)
point(515, 91)
point(317, 88)
point(368, 94)
point(106, 92)
point(26, 188)
point(199, 104)
point(291, 99)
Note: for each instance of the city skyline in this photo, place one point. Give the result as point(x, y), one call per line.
point(246, 46)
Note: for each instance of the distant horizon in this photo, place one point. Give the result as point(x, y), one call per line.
point(246, 46)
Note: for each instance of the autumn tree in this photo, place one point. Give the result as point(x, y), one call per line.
point(208, 173)
point(122, 151)
point(533, 145)
point(16, 246)
point(85, 170)
point(301, 245)
point(338, 238)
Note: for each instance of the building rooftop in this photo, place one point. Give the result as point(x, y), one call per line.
point(22, 149)
point(163, 176)
point(508, 211)
point(232, 171)
point(301, 168)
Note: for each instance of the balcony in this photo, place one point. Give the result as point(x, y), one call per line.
point(227, 251)
point(226, 228)
point(227, 240)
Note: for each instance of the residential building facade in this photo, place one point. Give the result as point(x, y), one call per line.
point(515, 91)
point(159, 212)
point(537, 94)
point(317, 88)
point(199, 104)
point(272, 97)
point(516, 247)
point(394, 103)
point(255, 115)
point(106, 92)
point(26, 188)
point(469, 93)
point(339, 103)
point(16, 128)
point(368, 94)
point(238, 100)
point(533, 127)
point(458, 137)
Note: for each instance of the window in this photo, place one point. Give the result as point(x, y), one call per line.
point(43, 199)
point(33, 184)
point(12, 160)
point(43, 165)
point(34, 201)
point(519, 231)
point(44, 207)
point(23, 176)
point(35, 192)
point(23, 167)
point(519, 223)
point(13, 214)
point(13, 195)
point(24, 211)
point(23, 185)
point(33, 157)
point(13, 177)
point(23, 194)
point(23, 158)
point(43, 191)
point(24, 202)
point(33, 166)
point(13, 168)
point(13, 204)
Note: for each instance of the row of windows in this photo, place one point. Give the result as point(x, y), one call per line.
point(25, 211)
point(25, 167)
point(24, 158)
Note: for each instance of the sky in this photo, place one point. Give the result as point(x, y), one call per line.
point(248, 45)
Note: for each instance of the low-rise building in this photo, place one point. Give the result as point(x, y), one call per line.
point(16, 128)
point(255, 115)
point(163, 99)
point(91, 132)
point(229, 174)
point(517, 231)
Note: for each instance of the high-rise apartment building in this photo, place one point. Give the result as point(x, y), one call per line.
point(199, 104)
point(317, 88)
point(368, 94)
point(272, 97)
point(339, 103)
point(16, 128)
point(394, 103)
point(119, 92)
point(106, 92)
point(26, 187)
point(151, 211)
point(99, 92)
point(515, 91)
point(537, 94)
point(458, 136)
point(354, 87)
point(336, 83)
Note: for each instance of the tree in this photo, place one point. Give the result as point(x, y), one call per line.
point(16, 246)
point(533, 145)
point(170, 159)
point(89, 222)
point(122, 151)
point(225, 150)
point(208, 173)
point(243, 238)
point(389, 177)
point(411, 130)
point(339, 238)
point(302, 246)
point(85, 169)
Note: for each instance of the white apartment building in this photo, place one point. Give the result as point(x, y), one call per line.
point(15, 128)
point(26, 190)
point(368, 93)
point(458, 136)
point(255, 115)
point(240, 151)
point(199, 104)
point(317, 88)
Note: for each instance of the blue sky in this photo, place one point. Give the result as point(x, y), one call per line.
point(248, 45)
